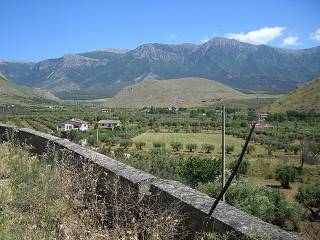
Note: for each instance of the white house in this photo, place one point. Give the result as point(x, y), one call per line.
point(73, 124)
point(262, 117)
point(109, 124)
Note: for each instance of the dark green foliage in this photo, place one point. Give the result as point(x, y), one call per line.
point(286, 174)
point(309, 196)
point(266, 203)
point(158, 162)
point(177, 146)
point(243, 169)
point(74, 135)
point(159, 144)
point(191, 146)
point(229, 149)
point(294, 148)
point(126, 143)
point(195, 169)
point(207, 147)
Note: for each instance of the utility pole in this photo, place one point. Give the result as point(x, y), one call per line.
point(223, 150)
point(97, 126)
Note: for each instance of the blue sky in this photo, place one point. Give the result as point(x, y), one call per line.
point(35, 30)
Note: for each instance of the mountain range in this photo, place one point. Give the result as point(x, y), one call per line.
point(105, 72)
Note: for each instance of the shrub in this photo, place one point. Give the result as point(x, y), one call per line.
point(286, 174)
point(294, 148)
point(159, 145)
point(243, 169)
point(158, 162)
point(229, 149)
point(195, 169)
point(139, 145)
point(207, 147)
point(191, 147)
point(270, 147)
point(309, 196)
point(266, 203)
point(126, 143)
point(177, 146)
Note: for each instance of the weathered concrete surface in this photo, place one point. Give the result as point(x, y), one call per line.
point(193, 204)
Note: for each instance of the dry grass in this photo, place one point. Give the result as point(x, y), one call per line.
point(48, 199)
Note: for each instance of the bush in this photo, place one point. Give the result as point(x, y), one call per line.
point(207, 147)
point(243, 169)
point(159, 145)
point(271, 147)
point(177, 146)
point(286, 174)
point(229, 149)
point(126, 143)
point(158, 162)
point(139, 145)
point(191, 147)
point(266, 203)
point(309, 196)
point(294, 148)
point(195, 169)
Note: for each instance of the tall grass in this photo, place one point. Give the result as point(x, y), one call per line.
point(46, 198)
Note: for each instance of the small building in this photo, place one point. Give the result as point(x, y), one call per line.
point(73, 124)
point(262, 117)
point(106, 110)
point(109, 124)
point(261, 125)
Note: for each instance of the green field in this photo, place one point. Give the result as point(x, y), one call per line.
point(196, 138)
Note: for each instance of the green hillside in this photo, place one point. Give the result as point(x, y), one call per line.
point(305, 98)
point(183, 92)
point(11, 93)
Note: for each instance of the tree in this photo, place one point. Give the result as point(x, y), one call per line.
point(286, 174)
point(207, 147)
point(159, 144)
point(309, 196)
point(270, 147)
point(139, 145)
point(196, 169)
point(177, 146)
point(229, 149)
point(294, 148)
point(191, 147)
point(126, 143)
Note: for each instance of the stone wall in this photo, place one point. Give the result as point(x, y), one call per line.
point(194, 205)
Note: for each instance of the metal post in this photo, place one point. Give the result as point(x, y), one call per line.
point(97, 135)
point(223, 149)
